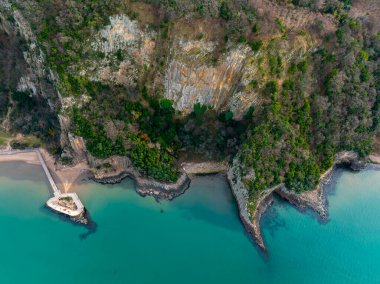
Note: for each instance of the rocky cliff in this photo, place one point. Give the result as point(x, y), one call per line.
point(235, 80)
point(31, 105)
point(188, 81)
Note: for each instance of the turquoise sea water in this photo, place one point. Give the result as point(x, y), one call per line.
point(197, 238)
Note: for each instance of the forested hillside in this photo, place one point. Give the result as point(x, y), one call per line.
point(283, 85)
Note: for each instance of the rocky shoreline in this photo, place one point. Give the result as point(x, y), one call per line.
point(315, 200)
point(374, 158)
point(151, 187)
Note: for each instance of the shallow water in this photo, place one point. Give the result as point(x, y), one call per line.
point(197, 238)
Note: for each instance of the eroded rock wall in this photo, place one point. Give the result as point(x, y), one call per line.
point(235, 81)
point(189, 81)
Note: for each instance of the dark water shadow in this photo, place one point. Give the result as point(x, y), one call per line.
point(272, 219)
point(199, 205)
point(330, 187)
point(190, 207)
point(91, 226)
point(212, 218)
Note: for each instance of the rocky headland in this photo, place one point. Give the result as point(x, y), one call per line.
point(122, 168)
point(314, 200)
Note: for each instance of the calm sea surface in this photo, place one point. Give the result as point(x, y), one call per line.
point(197, 238)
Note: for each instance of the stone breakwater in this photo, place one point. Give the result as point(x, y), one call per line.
point(315, 200)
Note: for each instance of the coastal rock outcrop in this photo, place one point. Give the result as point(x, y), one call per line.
point(240, 193)
point(116, 168)
point(314, 200)
point(149, 187)
point(374, 158)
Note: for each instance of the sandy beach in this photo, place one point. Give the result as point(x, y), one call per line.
point(27, 157)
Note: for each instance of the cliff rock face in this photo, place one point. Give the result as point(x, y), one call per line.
point(127, 49)
point(189, 80)
point(36, 78)
point(234, 81)
point(29, 99)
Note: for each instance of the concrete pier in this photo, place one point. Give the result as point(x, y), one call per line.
point(65, 203)
point(54, 187)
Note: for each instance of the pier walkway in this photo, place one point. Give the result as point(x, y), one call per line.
point(54, 187)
